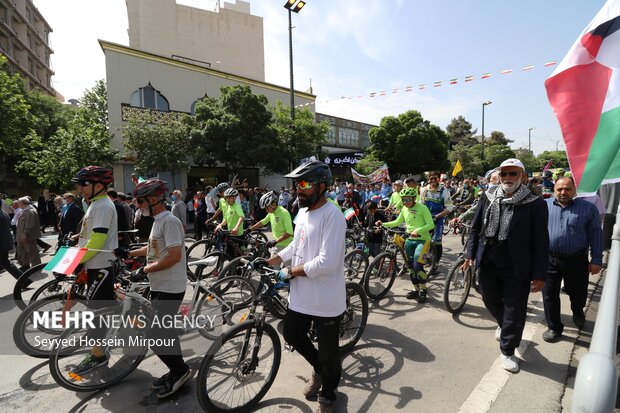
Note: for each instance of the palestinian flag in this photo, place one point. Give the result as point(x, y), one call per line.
point(584, 92)
point(65, 260)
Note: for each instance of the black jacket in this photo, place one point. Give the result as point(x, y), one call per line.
point(527, 241)
point(6, 236)
point(69, 222)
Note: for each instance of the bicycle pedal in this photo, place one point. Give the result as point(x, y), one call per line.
point(289, 348)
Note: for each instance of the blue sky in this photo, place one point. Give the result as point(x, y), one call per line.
point(353, 48)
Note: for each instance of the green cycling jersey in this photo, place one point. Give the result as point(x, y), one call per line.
point(417, 218)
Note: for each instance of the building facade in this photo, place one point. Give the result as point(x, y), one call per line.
point(228, 39)
point(24, 41)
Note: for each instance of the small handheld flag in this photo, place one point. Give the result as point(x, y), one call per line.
point(66, 260)
point(349, 213)
point(457, 168)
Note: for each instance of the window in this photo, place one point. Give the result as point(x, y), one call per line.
point(348, 137)
point(148, 97)
point(193, 108)
point(331, 135)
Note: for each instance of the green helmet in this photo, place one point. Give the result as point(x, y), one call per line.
point(408, 192)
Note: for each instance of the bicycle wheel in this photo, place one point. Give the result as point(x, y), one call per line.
point(55, 287)
point(430, 260)
point(349, 243)
point(125, 347)
point(38, 341)
point(212, 269)
point(354, 318)
point(447, 227)
point(355, 265)
point(380, 275)
point(456, 289)
point(238, 371)
point(464, 235)
point(199, 250)
point(30, 281)
point(224, 307)
point(257, 236)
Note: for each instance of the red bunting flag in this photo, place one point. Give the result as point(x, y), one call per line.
point(453, 81)
point(528, 67)
point(506, 71)
point(485, 76)
point(469, 78)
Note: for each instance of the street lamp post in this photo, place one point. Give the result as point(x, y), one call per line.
point(529, 139)
point(486, 103)
point(292, 6)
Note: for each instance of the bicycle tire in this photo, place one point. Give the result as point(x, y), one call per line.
point(355, 265)
point(380, 275)
point(221, 370)
point(349, 243)
point(225, 307)
point(22, 327)
point(446, 228)
point(430, 261)
point(33, 278)
point(457, 286)
point(213, 270)
point(124, 360)
point(258, 236)
point(464, 235)
point(354, 318)
point(199, 250)
point(54, 287)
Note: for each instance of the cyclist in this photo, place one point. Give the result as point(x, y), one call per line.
point(279, 219)
point(317, 286)
point(222, 204)
point(395, 202)
point(419, 223)
point(165, 269)
point(233, 214)
point(435, 197)
point(99, 232)
point(464, 196)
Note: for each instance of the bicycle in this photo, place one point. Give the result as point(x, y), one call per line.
point(458, 284)
point(382, 271)
point(217, 305)
point(247, 358)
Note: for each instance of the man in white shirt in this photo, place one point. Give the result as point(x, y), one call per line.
point(317, 283)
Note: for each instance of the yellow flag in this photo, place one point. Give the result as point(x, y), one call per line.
point(457, 168)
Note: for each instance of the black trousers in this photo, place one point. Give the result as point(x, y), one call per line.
point(8, 265)
point(574, 270)
point(325, 360)
point(165, 307)
point(506, 299)
point(199, 226)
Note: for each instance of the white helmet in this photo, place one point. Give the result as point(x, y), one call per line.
point(268, 199)
point(231, 192)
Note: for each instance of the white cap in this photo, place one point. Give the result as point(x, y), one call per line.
point(512, 162)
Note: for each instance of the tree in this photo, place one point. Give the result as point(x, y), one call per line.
point(531, 163)
point(236, 129)
point(470, 159)
point(157, 143)
point(83, 141)
point(494, 155)
point(459, 130)
point(497, 138)
point(302, 137)
point(368, 164)
point(16, 121)
point(408, 144)
point(558, 159)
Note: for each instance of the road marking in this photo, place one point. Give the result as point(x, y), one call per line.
point(490, 386)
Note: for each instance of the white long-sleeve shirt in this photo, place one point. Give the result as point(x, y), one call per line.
point(318, 244)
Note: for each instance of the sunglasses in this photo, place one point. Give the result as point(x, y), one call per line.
point(84, 183)
point(433, 178)
point(140, 200)
point(407, 199)
point(304, 185)
point(511, 173)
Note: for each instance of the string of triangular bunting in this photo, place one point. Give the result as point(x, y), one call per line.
point(423, 86)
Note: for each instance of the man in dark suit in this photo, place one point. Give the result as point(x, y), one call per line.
point(70, 216)
point(510, 243)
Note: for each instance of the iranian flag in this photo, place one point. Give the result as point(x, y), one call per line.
point(584, 92)
point(65, 260)
point(349, 213)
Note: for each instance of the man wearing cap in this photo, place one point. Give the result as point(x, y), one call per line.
point(395, 202)
point(510, 243)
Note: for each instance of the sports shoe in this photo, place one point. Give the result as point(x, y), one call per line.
point(551, 336)
point(314, 384)
point(325, 406)
point(498, 333)
point(89, 363)
point(510, 363)
point(412, 294)
point(579, 320)
point(174, 383)
point(160, 383)
point(421, 297)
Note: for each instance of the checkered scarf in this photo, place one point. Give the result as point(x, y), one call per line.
point(498, 218)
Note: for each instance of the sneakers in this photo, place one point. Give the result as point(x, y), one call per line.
point(90, 363)
point(160, 383)
point(173, 383)
point(509, 363)
point(579, 320)
point(314, 384)
point(551, 336)
point(498, 333)
point(412, 294)
point(325, 406)
point(421, 297)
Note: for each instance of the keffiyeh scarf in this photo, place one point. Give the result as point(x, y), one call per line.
point(499, 217)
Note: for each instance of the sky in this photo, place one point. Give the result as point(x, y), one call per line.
point(354, 48)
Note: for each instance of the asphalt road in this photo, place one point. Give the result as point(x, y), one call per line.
point(412, 357)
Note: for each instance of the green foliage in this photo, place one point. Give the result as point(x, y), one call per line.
point(236, 129)
point(49, 114)
point(470, 157)
point(459, 130)
point(156, 143)
point(368, 164)
point(15, 118)
point(408, 144)
point(302, 137)
point(83, 141)
point(497, 138)
point(531, 163)
point(558, 158)
point(494, 155)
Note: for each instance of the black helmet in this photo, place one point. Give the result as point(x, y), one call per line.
point(94, 174)
point(221, 187)
point(150, 187)
point(313, 171)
